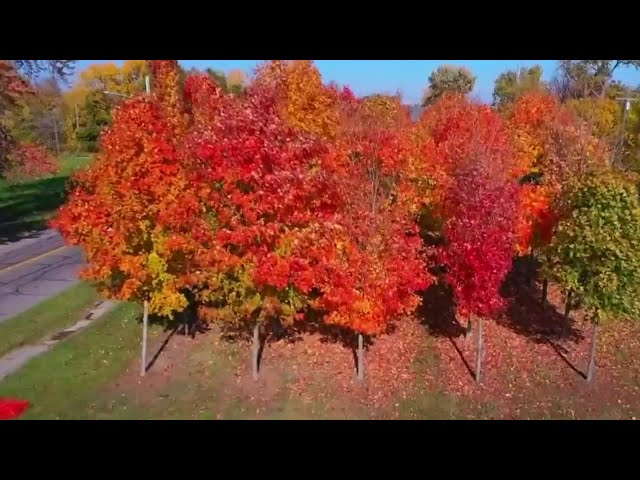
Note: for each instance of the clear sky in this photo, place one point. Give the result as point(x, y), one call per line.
point(407, 76)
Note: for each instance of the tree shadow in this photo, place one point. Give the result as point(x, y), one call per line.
point(527, 315)
point(464, 360)
point(314, 324)
point(186, 323)
point(274, 331)
point(562, 353)
point(164, 344)
point(437, 313)
point(25, 207)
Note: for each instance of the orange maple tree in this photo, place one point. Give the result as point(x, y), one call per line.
point(133, 211)
point(168, 92)
point(304, 101)
point(380, 264)
point(553, 146)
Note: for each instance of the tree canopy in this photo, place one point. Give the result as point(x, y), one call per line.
point(448, 79)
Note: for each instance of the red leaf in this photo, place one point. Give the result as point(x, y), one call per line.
point(12, 408)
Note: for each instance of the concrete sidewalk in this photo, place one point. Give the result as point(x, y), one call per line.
point(15, 359)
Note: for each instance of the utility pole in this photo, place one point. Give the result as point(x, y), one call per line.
point(55, 133)
point(626, 107)
point(77, 129)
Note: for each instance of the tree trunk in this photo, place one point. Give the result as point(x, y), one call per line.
point(145, 318)
point(545, 286)
point(360, 357)
point(567, 307)
point(256, 351)
point(591, 370)
point(468, 330)
point(186, 324)
point(479, 352)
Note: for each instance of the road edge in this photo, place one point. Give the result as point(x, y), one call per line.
point(17, 252)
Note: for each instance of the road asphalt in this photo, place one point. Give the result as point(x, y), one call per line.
point(34, 269)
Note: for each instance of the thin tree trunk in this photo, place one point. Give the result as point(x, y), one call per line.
point(591, 370)
point(469, 330)
point(256, 350)
point(479, 352)
point(360, 357)
point(545, 286)
point(567, 307)
point(145, 318)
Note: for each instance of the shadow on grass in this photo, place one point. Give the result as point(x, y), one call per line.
point(25, 207)
point(275, 331)
point(526, 314)
point(562, 354)
point(185, 323)
point(164, 344)
point(437, 313)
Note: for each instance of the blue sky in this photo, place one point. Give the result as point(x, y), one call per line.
point(407, 76)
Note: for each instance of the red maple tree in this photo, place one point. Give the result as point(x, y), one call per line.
point(480, 204)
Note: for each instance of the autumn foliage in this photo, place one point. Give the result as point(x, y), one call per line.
point(298, 201)
point(553, 145)
point(132, 212)
point(168, 91)
point(479, 200)
point(380, 264)
point(251, 203)
point(29, 160)
point(266, 197)
point(303, 100)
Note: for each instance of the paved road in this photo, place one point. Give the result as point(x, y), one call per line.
point(35, 269)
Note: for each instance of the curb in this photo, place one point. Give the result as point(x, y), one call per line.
point(16, 359)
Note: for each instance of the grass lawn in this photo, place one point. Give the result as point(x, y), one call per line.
point(26, 206)
point(410, 374)
point(48, 317)
point(94, 375)
point(64, 382)
point(70, 163)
